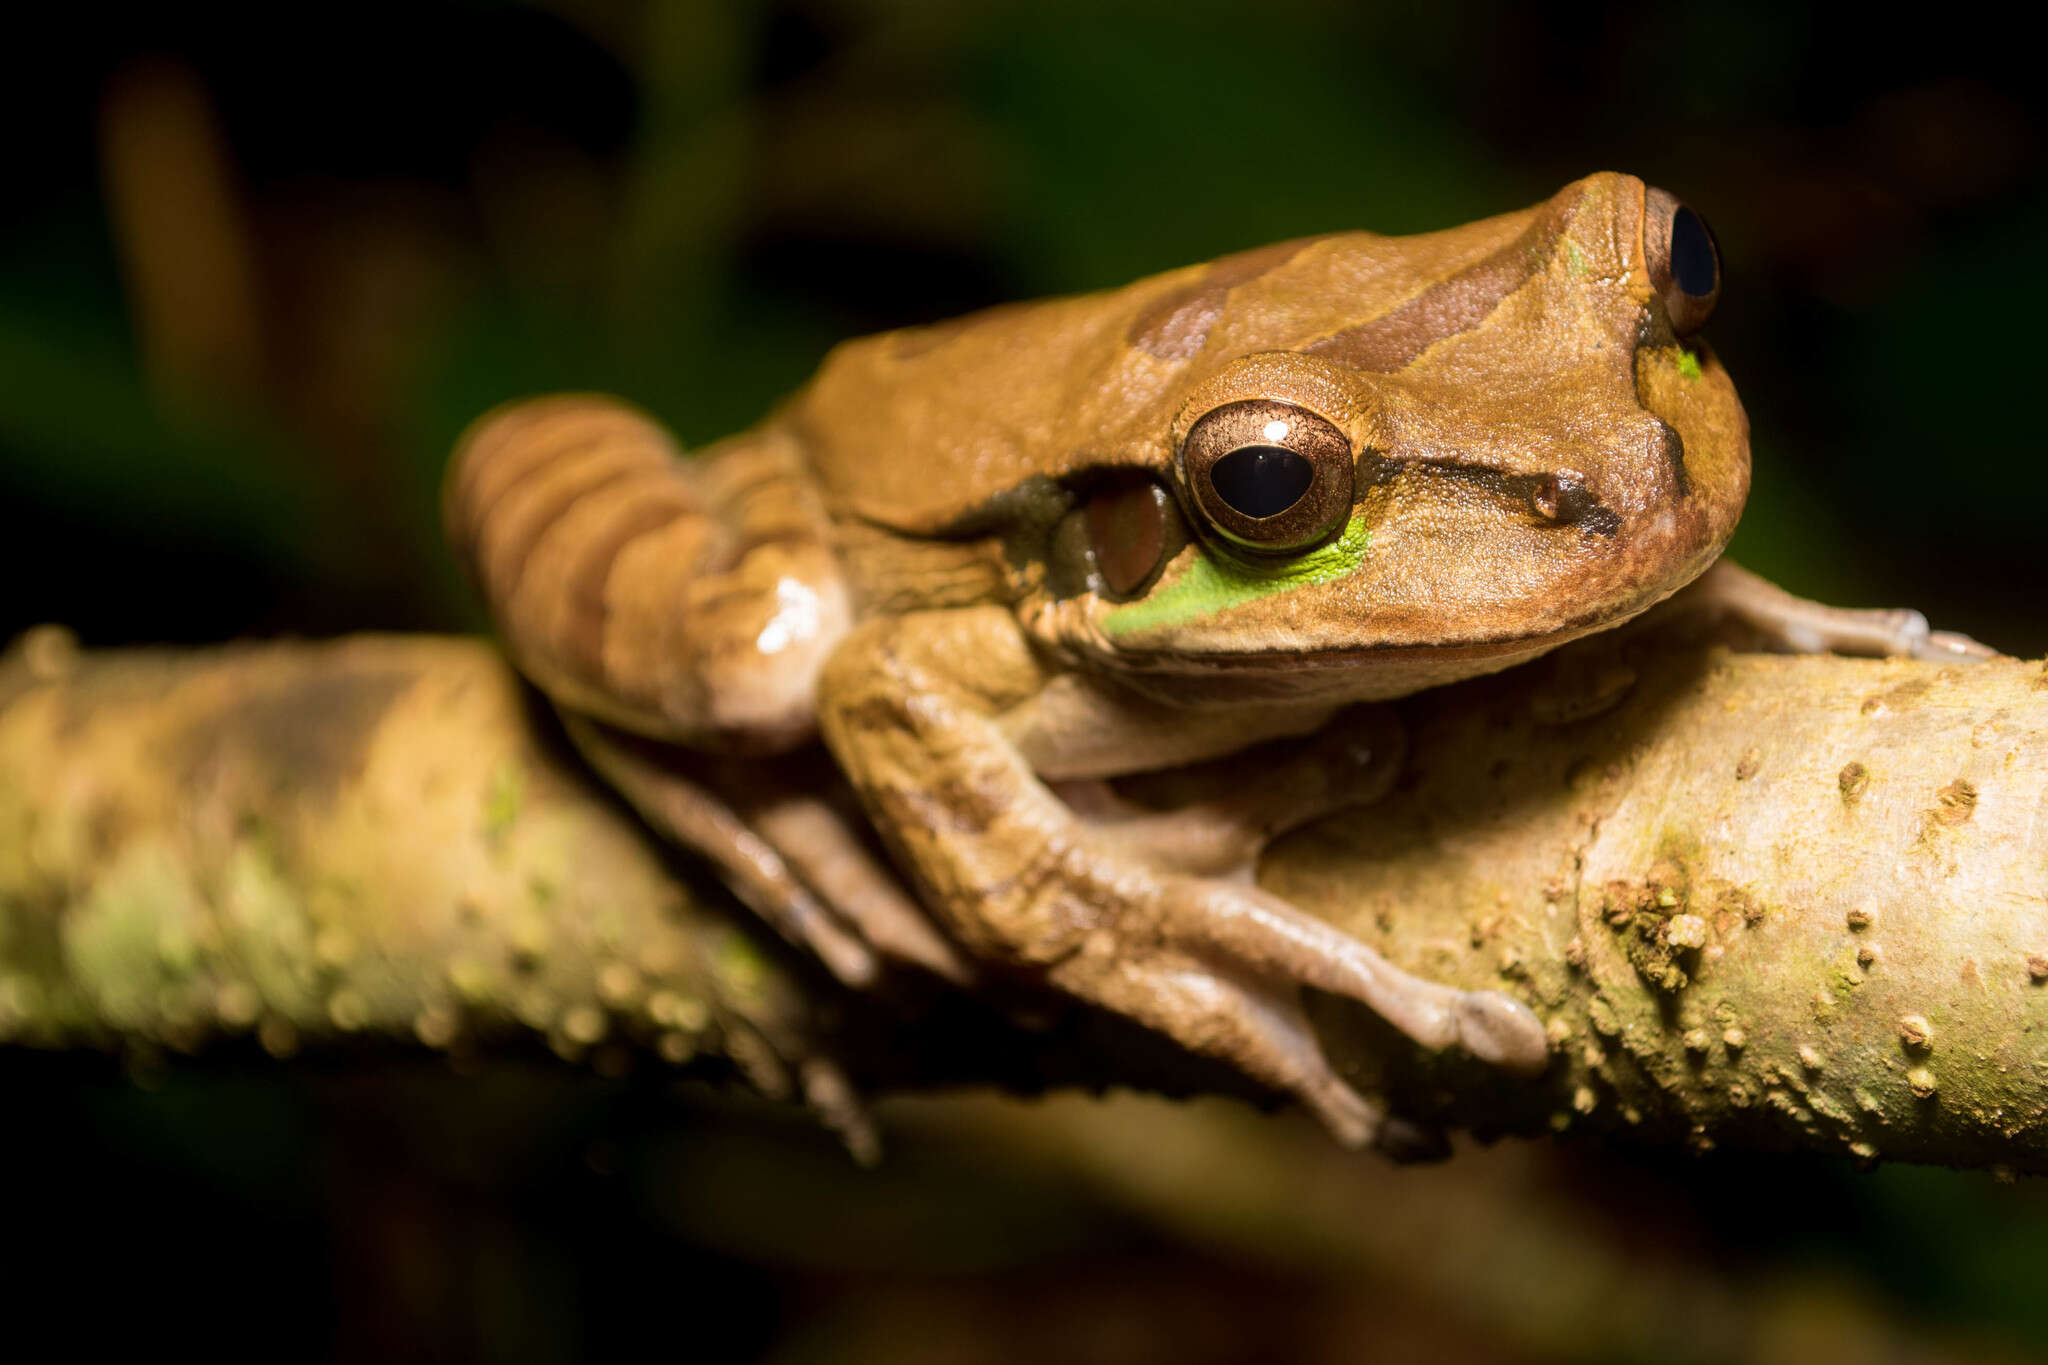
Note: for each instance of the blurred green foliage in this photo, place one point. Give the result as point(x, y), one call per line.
point(444, 205)
point(227, 415)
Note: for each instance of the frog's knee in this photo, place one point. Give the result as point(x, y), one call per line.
point(760, 649)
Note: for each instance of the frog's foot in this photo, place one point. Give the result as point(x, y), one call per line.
point(1210, 846)
point(1225, 812)
point(1252, 929)
point(1261, 1031)
point(1236, 928)
point(789, 856)
point(1778, 620)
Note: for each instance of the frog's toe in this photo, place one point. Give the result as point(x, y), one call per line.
point(1901, 633)
point(1502, 1030)
point(1411, 1144)
point(1949, 646)
point(1352, 1119)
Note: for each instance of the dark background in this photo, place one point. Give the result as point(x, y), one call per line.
point(259, 266)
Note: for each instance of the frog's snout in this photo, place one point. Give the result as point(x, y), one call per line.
point(1562, 497)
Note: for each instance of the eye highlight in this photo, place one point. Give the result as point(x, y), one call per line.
point(1683, 260)
point(1268, 474)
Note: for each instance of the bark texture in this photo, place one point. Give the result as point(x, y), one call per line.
point(1788, 902)
point(363, 842)
point(1764, 900)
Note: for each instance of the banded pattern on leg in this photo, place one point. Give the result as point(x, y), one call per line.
point(690, 600)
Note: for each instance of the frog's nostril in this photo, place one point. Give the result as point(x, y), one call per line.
point(1564, 497)
point(1560, 497)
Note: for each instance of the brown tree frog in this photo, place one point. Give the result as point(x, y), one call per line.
point(992, 563)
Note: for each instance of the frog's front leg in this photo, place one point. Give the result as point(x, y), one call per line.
point(1779, 620)
point(921, 710)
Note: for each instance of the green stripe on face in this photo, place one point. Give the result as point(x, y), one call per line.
point(1214, 583)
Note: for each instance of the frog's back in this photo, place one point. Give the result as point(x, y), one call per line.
point(916, 430)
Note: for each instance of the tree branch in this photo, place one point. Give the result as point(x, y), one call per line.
point(1758, 900)
point(369, 841)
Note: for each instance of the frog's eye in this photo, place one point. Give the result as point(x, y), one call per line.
point(1683, 260)
point(1268, 474)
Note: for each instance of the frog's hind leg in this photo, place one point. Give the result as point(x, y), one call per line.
point(790, 856)
point(661, 601)
point(1730, 595)
point(751, 868)
point(824, 846)
point(690, 600)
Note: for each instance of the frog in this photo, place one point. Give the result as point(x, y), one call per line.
point(887, 658)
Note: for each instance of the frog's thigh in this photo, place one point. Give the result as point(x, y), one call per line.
point(687, 600)
point(1263, 1032)
point(1727, 591)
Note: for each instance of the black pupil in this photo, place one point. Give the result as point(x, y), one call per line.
point(1692, 254)
point(1261, 481)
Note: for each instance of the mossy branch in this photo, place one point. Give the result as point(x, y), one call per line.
point(338, 845)
point(1796, 902)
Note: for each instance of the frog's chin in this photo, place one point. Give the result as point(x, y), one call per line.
point(1337, 674)
point(1343, 640)
point(1282, 664)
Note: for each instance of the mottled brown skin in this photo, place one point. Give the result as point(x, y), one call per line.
point(969, 558)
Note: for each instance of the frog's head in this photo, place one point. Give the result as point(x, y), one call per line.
point(1446, 453)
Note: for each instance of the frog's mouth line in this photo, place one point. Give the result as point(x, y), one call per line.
point(1468, 657)
point(1368, 673)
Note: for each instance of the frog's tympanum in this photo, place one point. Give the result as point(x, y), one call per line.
point(992, 563)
